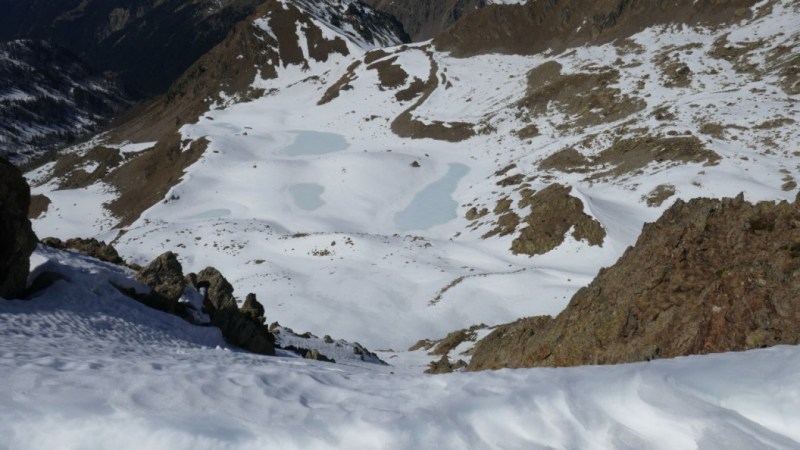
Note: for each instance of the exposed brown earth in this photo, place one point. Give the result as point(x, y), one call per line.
point(553, 213)
point(708, 276)
point(627, 157)
point(391, 75)
point(146, 179)
point(342, 84)
point(540, 25)
point(589, 96)
point(406, 126)
point(660, 194)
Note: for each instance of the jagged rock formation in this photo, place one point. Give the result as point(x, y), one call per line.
point(708, 276)
point(239, 328)
point(540, 25)
point(89, 247)
point(49, 97)
point(425, 19)
point(17, 240)
point(165, 276)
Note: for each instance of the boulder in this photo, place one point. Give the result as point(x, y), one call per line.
point(708, 276)
point(164, 275)
point(253, 308)
point(17, 240)
point(240, 328)
point(219, 292)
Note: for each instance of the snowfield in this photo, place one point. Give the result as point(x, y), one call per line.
point(84, 367)
point(343, 228)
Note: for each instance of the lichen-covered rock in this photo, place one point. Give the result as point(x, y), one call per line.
point(219, 292)
point(165, 277)
point(17, 240)
point(240, 328)
point(253, 308)
point(89, 247)
point(708, 276)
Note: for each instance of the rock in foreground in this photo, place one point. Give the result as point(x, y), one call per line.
point(708, 276)
point(17, 240)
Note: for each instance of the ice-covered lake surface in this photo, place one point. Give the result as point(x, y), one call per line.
point(433, 205)
point(309, 142)
point(307, 195)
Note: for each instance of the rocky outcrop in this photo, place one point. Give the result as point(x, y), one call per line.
point(89, 247)
point(17, 240)
point(536, 26)
point(253, 309)
point(424, 19)
point(708, 276)
point(242, 328)
point(165, 277)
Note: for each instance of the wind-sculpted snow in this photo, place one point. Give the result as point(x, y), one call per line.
point(84, 367)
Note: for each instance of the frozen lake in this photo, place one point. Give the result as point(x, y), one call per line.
point(314, 143)
point(433, 205)
point(307, 195)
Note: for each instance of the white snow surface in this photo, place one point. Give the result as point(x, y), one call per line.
point(84, 367)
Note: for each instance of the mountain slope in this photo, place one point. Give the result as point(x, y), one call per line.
point(148, 44)
point(50, 98)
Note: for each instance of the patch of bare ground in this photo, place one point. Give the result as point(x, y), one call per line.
point(554, 212)
point(784, 60)
point(659, 195)
point(38, 206)
point(147, 178)
point(535, 27)
point(629, 156)
point(69, 168)
point(708, 276)
point(527, 132)
point(775, 123)
point(390, 75)
point(675, 72)
point(589, 98)
point(738, 54)
point(406, 126)
point(342, 84)
point(568, 160)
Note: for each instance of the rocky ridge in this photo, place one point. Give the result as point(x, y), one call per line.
point(708, 276)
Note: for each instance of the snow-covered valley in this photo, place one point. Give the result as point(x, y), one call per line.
point(385, 194)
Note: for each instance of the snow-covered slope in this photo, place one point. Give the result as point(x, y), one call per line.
point(84, 367)
point(342, 191)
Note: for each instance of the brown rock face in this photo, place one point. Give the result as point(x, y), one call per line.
point(239, 327)
point(219, 291)
point(539, 25)
point(708, 276)
point(165, 276)
point(423, 19)
point(17, 240)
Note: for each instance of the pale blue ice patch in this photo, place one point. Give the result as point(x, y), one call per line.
point(307, 195)
point(308, 142)
point(433, 205)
